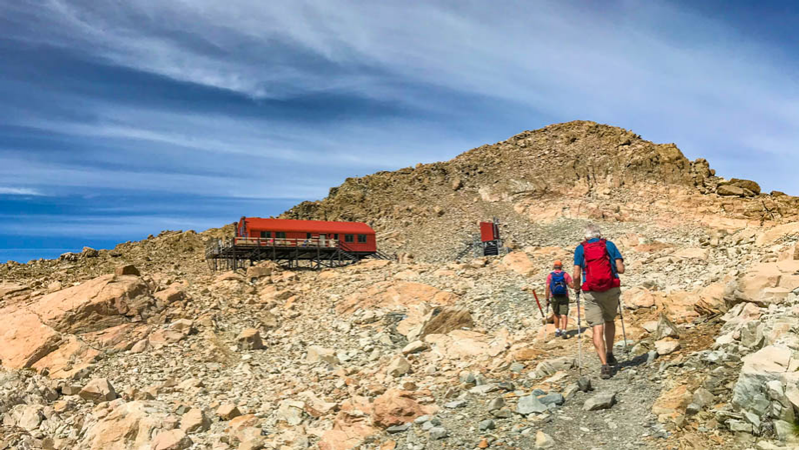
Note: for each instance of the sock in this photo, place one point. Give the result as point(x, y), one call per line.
point(557, 330)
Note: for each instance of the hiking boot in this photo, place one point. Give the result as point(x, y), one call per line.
point(558, 333)
point(605, 372)
point(612, 360)
point(564, 335)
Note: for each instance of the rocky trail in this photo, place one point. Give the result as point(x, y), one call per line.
point(143, 347)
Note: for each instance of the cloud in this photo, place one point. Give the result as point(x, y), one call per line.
point(19, 191)
point(456, 74)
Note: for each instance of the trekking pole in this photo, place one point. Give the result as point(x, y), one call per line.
point(579, 337)
point(543, 317)
point(623, 331)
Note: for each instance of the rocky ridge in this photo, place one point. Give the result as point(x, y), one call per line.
point(143, 347)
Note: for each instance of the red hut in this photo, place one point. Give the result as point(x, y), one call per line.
point(352, 237)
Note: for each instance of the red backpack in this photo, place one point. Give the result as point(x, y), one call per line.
point(598, 273)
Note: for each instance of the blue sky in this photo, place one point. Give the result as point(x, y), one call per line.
point(121, 119)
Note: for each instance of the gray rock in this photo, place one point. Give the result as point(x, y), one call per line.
point(529, 404)
point(467, 378)
point(538, 392)
point(692, 409)
point(504, 413)
point(398, 428)
point(438, 433)
point(484, 389)
point(496, 404)
point(739, 426)
point(455, 404)
point(603, 400)
point(487, 424)
point(552, 399)
point(784, 430)
point(584, 384)
point(516, 367)
point(703, 398)
point(665, 328)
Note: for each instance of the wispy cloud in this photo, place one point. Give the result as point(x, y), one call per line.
point(19, 191)
point(251, 100)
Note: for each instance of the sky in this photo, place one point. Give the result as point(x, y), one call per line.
point(119, 119)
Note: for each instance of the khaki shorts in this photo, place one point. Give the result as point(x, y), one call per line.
point(560, 305)
point(601, 307)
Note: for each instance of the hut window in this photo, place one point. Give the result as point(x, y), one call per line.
point(349, 238)
point(280, 235)
point(361, 238)
point(266, 234)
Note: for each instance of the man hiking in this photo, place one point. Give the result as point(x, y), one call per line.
point(600, 262)
point(558, 284)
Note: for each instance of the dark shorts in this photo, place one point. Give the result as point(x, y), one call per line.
point(560, 305)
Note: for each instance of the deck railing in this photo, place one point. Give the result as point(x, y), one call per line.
point(286, 242)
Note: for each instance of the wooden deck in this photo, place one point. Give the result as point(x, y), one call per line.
point(233, 253)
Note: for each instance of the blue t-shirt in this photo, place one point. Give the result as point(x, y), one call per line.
point(613, 251)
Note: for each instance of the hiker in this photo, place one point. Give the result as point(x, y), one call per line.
point(558, 284)
point(601, 263)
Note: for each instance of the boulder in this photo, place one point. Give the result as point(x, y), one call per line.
point(442, 320)
point(764, 283)
point(171, 294)
point(98, 390)
point(97, 304)
point(665, 328)
point(24, 339)
point(746, 184)
point(351, 427)
point(770, 363)
point(194, 421)
point(396, 407)
point(398, 367)
point(89, 252)
point(291, 412)
point(228, 411)
point(638, 297)
point(317, 354)
point(414, 347)
point(543, 440)
point(554, 365)
point(129, 425)
point(730, 190)
point(520, 263)
point(666, 346)
point(530, 404)
point(127, 270)
point(250, 339)
point(391, 294)
point(602, 400)
point(171, 440)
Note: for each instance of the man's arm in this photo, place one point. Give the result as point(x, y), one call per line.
point(569, 280)
point(619, 266)
point(549, 291)
point(577, 276)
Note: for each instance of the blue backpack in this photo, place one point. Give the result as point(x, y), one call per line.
point(557, 285)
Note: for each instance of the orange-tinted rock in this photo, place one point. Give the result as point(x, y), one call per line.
point(520, 263)
point(392, 294)
point(24, 339)
point(68, 359)
point(94, 305)
point(171, 440)
point(396, 407)
point(129, 425)
point(351, 427)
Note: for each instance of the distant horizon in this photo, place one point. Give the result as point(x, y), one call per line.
point(124, 119)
